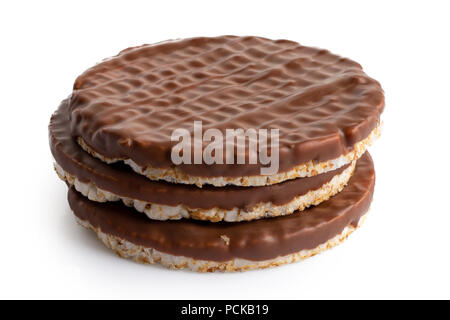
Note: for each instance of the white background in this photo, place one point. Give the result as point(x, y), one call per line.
point(402, 251)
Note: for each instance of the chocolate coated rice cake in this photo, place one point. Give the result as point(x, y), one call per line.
point(204, 246)
point(326, 108)
point(162, 200)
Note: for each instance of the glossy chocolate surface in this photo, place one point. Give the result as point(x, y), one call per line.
point(128, 105)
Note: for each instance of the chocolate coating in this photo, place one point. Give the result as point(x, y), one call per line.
point(255, 240)
point(128, 105)
point(121, 180)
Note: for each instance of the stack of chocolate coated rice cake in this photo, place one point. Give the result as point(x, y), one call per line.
point(112, 141)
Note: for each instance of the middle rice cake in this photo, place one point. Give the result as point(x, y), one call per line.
point(162, 200)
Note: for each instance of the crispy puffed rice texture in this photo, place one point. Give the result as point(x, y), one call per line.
point(261, 210)
point(126, 249)
point(308, 169)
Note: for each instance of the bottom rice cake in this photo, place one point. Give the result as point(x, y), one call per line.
point(205, 247)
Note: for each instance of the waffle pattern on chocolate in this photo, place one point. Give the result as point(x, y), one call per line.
point(128, 106)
